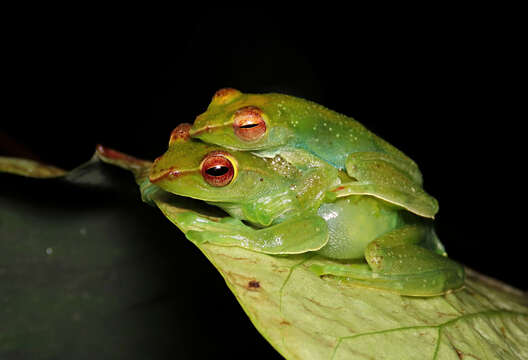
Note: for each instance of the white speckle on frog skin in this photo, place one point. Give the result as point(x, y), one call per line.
point(49, 251)
point(330, 215)
point(82, 231)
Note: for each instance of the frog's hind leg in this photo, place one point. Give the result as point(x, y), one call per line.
point(397, 263)
point(388, 178)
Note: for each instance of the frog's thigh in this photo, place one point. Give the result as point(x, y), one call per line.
point(293, 236)
point(379, 176)
point(400, 265)
point(408, 167)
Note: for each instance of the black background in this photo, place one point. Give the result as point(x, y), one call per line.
point(445, 87)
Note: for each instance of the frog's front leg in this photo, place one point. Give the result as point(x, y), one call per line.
point(396, 262)
point(294, 236)
point(387, 178)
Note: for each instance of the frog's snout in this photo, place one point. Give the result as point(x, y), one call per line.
point(156, 171)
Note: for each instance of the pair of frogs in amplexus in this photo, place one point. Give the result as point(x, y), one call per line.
point(296, 177)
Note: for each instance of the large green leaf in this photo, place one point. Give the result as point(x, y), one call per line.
point(304, 316)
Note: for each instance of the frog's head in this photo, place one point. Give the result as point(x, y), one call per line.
point(244, 121)
point(207, 172)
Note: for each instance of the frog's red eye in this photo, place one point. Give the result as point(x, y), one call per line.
point(249, 124)
point(217, 169)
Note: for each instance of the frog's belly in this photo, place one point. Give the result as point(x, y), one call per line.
point(354, 222)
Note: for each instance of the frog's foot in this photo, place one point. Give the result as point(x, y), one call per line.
point(294, 236)
point(431, 283)
point(397, 264)
point(382, 176)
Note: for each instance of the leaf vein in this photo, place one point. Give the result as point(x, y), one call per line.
point(487, 313)
point(292, 268)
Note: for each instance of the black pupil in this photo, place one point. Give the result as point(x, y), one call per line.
point(248, 126)
point(217, 170)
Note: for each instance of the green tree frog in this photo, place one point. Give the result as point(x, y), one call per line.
point(270, 124)
point(278, 208)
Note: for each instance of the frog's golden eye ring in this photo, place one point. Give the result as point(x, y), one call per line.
point(249, 123)
point(218, 168)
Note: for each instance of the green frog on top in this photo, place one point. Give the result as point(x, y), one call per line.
point(278, 124)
